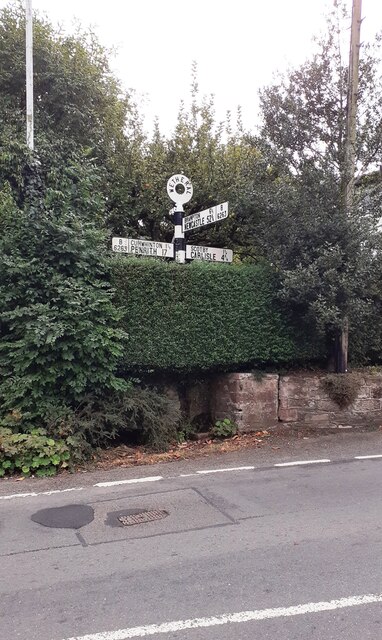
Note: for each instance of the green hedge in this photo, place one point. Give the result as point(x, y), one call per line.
point(202, 317)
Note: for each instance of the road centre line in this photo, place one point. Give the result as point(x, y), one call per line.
point(113, 483)
point(198, 473)
point(226, 618)
point(299, 462)
point(205, 471)
point(33, 494)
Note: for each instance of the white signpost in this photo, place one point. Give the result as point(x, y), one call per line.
point(143, 247)
point(180, 190)
point(211, 254)
point(208, 216)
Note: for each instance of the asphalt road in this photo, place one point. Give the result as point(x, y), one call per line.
point(264, 552)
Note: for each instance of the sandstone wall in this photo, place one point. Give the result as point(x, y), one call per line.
point(267, 401)
point(298, 400)
point(303, 401)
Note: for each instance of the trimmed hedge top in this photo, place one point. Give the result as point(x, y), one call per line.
point(201, 316)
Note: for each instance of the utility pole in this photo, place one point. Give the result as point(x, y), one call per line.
point(350, 154)
point(29, 72)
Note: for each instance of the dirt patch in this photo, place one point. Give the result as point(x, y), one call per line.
point(124, 456)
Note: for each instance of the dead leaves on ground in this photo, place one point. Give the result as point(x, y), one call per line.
point(124, 456)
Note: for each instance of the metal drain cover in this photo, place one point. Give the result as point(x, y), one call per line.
point(145, 516)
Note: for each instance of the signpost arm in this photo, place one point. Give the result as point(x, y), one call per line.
point(179, 240)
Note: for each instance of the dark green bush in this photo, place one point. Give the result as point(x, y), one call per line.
point(365, 335)
point(142, 415)
point(203, 317)
point(59, 334)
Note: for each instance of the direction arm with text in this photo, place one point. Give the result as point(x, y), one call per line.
point(208, 216)
point(210, 254)
point(143, 247)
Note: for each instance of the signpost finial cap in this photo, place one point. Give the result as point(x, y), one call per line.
point(179, 189)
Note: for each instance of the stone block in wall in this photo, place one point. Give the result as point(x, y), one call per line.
point(287, 415)
point(172, 392)
point(248, 400)
point(198, 403)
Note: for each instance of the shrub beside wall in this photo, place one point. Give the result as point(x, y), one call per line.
point(201, 316)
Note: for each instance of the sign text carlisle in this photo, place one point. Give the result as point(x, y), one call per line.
point(211, 254)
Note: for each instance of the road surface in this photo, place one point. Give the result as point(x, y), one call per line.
point(254, 546)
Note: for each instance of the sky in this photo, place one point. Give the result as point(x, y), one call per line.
point(237, 45)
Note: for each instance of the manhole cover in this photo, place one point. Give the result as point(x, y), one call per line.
point(145, 516)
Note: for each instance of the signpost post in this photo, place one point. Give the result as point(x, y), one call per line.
point(180, 190)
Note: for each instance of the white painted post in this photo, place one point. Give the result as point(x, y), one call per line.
point(179, 241)
point(179, 189)
point(29, 72)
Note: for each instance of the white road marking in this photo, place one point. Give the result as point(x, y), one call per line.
point(204, 471)
point(130, 481)
point(113, 483)
point(225, 618)
point(33, 494)
point(297, 462)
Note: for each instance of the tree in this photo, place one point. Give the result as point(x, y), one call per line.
point(80, 106)
point(329, 257)
point(222, 162)
point(304, 114)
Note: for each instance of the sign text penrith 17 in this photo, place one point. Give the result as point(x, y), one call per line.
point(143, 247)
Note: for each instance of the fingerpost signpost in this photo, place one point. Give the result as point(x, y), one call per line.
point(180, 190)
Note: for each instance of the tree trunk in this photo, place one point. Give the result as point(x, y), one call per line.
point(341, 349)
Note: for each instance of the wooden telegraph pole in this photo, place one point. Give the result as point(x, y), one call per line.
point(350, 154)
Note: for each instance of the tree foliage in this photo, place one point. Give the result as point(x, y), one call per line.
point(304, 113)
point(59, 333)
point(329, 259)
point(223, 163)
point(79, 104)
point(76, 95)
